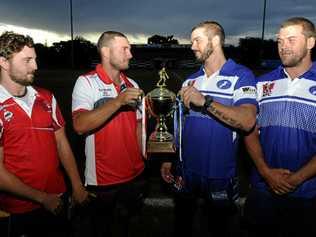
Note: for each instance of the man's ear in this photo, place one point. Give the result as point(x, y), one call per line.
point(105, 52)
point(216, 41)
point(311, 42)
point(4, 63)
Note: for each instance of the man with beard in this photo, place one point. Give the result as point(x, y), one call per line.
point(220, 100)
point(33, 144)
point(283, 146)
point(106, 109)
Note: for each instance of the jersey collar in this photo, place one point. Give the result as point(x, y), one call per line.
point(5, 95)
point(107, 80)
point(311, 73)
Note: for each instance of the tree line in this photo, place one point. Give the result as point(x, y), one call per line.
point(250, 51)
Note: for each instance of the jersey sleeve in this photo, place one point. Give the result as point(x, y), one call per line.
point(245, 91)
point(58, 119)
point(82, 95)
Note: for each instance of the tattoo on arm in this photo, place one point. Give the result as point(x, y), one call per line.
point(224, 118)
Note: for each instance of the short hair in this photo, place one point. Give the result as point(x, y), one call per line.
point(106, 37)
point(308, 26)
point(212, 28)
point(11, 43)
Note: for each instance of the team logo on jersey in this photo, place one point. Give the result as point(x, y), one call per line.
point(312, 90)
point(267, 88)
point(46, 106)
point(7, 115)
point(223, 84)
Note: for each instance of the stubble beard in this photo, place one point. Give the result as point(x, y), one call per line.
point(293, 60)
point(205, 54)
point(119, 65)
point(26, 81)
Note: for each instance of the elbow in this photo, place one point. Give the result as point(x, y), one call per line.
point(78, 128)
point(249, 125)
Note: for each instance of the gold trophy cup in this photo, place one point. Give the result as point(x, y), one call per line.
point(161, 104)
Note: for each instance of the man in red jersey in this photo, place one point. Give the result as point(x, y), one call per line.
point(105, 106)
point(32, 145)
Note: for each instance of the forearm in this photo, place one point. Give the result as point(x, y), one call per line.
point(12, 184)
point(86, 121)
point(67, 159)
point(307, 171)
point(241, 117)
point(255, 152)
point(139, 134)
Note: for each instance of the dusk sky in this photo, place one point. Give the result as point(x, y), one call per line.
point(48, 20)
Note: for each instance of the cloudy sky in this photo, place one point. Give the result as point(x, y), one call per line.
point(48, 20)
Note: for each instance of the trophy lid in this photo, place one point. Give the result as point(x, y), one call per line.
point(162, 93)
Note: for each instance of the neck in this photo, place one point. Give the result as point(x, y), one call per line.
point(12, 87)
point(300, 69)
point(114, 74)
point(214, 63)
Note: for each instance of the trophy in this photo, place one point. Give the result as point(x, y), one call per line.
point(161, 104)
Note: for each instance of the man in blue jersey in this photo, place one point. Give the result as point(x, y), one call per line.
point(283, 145)
point(220, 100)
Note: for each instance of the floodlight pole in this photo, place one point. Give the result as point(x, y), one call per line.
point(263, 19)
point(72, 37)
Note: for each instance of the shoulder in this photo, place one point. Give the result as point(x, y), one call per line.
point(231, 68)
point(270, 76)
point(86, 79)
point(43, 92)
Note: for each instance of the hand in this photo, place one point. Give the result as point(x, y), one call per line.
point(277, 180)
point(80, 195)
point(130, 96)
point(165, 172)
point(294, 179)
point(52, 203)
point(190, 95)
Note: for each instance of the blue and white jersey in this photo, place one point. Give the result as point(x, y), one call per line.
point(287, 121)
point(208, 145)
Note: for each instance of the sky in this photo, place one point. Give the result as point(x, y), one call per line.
point(48, 21)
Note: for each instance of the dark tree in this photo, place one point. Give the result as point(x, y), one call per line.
point(162, 40)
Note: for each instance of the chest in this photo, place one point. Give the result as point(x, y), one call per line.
point(19, 115)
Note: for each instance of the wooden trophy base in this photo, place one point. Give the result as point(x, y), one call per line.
point(160, 147)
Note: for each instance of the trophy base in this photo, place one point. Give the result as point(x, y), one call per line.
point(160, 147)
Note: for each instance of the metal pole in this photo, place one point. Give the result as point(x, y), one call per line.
point(263, 19)
point(72, 38)
point(262, 32)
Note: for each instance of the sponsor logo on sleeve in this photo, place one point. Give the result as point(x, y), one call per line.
point(249, 90)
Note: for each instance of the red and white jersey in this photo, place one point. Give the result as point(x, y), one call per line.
point(27, 136)
point(112, 152)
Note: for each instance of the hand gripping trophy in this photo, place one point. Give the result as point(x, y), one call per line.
point(161, 104)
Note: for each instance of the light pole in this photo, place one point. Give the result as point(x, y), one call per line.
point(72, 37)
point(263, 19)
point(263, 26)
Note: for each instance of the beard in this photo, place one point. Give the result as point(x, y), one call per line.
point(24, 81)
point(290, 59)
point(205, 54)
point(119, 65)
